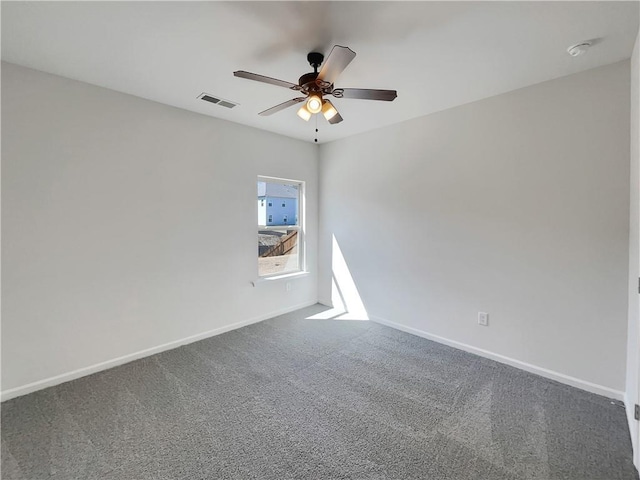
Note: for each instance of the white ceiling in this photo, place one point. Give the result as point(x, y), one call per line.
point(436, 54)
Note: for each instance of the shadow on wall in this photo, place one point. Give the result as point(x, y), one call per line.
point(345, 298)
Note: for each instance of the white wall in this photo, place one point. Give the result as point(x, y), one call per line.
point(633, 341)
point(129, 224)
point(517, 205)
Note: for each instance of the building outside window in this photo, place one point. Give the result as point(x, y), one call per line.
point(279, 233)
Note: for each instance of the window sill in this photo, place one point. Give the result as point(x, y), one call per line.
point(275, 278)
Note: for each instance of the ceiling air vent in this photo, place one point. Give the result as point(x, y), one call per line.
point(209, 98)
point(218, 101)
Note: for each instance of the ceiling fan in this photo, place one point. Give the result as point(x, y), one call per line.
point(315, 85)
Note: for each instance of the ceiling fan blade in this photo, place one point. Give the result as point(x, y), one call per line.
point(365, 94)
point(263, 79)
point(337, 61)
point(282, 106)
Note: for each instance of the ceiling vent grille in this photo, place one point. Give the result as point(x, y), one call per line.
point(218, 101)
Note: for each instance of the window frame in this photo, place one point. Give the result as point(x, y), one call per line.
point(299, 226)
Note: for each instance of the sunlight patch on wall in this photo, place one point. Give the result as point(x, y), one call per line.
point(345, 298)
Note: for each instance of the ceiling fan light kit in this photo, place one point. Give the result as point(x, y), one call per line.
point(328, 110)
point(304, 114)
point(314, 85)
point(314, 103)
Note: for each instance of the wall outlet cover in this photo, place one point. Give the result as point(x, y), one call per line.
point(483, 319)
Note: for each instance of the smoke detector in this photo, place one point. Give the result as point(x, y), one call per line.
point(579, 49)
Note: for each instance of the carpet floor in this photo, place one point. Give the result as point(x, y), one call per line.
point(294, 398)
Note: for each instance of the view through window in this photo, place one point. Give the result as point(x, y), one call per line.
point(279, 233)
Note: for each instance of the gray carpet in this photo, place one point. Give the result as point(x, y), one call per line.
point(291, 398)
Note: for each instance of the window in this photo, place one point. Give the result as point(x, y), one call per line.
point(270, 204)
point(280, 242)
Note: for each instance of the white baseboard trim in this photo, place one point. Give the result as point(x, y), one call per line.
point(98, 367)
point(543, 372)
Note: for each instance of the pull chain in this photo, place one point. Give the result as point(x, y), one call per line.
point(316, 140)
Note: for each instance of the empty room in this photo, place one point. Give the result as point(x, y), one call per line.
point(320, 240)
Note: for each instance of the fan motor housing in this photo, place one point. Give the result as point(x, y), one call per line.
point(308, 80)
point(309, 83)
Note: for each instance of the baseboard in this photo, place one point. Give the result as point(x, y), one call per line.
point(98, 367)
point(543, 372)
point(81, 372)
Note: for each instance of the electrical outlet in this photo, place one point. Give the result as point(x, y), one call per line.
point(483, 319)
point(288, 286)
